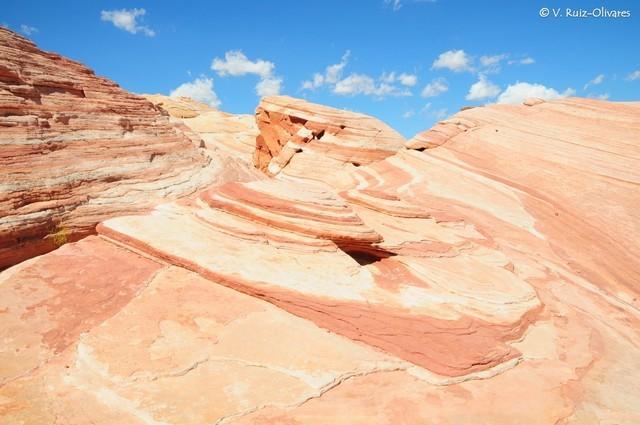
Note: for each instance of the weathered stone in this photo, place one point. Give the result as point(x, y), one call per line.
point(328, 139)
point(486, 273)
point(76, 149)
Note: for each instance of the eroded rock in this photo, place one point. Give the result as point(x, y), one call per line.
point(313, 140)
point(486, 274)
point(75, 149)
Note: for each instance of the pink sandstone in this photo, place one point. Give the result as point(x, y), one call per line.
point(316, 137)
point(76, 148)
point(484, 272)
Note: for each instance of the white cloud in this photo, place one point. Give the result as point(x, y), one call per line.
point(332, 74)
point(426, 108)
point(28, 30)
point(491, 60)
point(455, 60)
point(602, 96)
point(517, 93)
point(408, 114)
point(405, 79)
point(356, 84)
point(482, 89)
point(317, 81)
point(127, 19)
point(635, 75)
point(434, 113)
point(270, 86)
point(491, 64)
point(408, 80)
point(441, 113)
point(596, 80)
point(435, 88)
point(396, 4)
point(360, 84)
point(236, 64)
point(528, 60)
point(201, 89)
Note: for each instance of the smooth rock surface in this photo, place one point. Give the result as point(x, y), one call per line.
point(484, 273)
point(233, 135)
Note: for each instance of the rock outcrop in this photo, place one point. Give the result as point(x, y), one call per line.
point(222, 133)
point(484, 273)
point(314, 141)
point(76, 149)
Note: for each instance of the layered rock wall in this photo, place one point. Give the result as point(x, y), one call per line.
point(76, 148)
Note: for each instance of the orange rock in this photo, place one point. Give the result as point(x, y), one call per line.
point(326, 138)
point(485, 273)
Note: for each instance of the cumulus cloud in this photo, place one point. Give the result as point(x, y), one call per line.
point(388, 84)
point(28, 30)
point(527, 61)
point(482, 89)
point(435, 87)
point(331, 75)
point(270, 86)
point(237, 64)
point(201, 89)
point(405, 79)
point(127, 20)
point(492, 64)
point(491, 60)
point(356, 84)
point(454, 60)
point(635, 75)
point(408, 80)
point(517, 93)
point(596, 80)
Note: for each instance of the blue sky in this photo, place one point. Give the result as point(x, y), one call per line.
point(407, 62)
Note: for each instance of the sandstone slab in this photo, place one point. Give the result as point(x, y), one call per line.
point(484, 273)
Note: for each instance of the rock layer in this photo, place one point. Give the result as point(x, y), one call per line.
point(76, 148)
point(233, 135)
point(484, 274)
point(314, 140)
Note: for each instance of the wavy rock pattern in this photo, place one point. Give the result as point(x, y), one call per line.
point(485, 272)
point(222, 133)
point(76, 148)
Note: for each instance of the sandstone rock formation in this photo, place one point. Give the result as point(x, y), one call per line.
point(233, 135)
point(76, 148)
point(314, 141)
point(484, 273)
